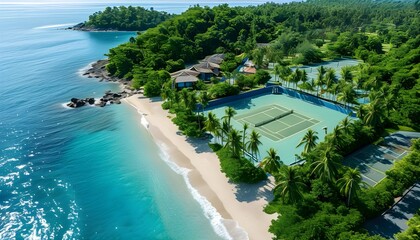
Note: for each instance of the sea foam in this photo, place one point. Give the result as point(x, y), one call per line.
point(216, 220)
point(55, 26)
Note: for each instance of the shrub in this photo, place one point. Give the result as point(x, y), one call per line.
point(239, 169)
point(222, 90)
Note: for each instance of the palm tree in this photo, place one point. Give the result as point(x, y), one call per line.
point(203, 99)
point(212, 123)
point(330, 79)
point(347, 96)
point(350, 184)
point(345, 125)
point(327, 166)
point(346, 74)
point(277, 70)
point(225, 130)
point(285, 73)
point(234, 142)
point(254, 143)
point(309, 140)
point(184, 96)
point(271, 163)
point(230, 112)
point(289, 184)
point(374, 113)
point(245, 127)
point(319, 82)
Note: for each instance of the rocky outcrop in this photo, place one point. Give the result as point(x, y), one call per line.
point(108, 98)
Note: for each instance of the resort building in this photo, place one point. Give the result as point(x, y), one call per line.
point(207, 68)
point(184, 78)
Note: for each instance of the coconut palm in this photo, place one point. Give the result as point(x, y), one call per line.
point(289, 185)
point(347, 96)
point(345, 125)
point(374, 113)
point(224, 131)
point(327, 166)
point(350, 184)
point(277, 70)
point(212, 123)
point(229, 113)
point(285, 73)
point(271, 163)
point(184, 96)
point(203, 99)
point(309, 140)
point(346, 74)
point(245, 127)
point(254, 143)
point(319, 81)
point(234, 142)
point(330, 79)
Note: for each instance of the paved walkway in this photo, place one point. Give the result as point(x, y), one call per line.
point(395, 220)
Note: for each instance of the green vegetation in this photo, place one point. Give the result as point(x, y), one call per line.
point(297, 33)
point(413, 231)
point(126, 19)
point(321, 199)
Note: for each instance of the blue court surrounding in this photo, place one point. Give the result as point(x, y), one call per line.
point(320, 115)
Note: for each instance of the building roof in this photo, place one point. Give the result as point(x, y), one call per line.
point(205, 67)
point(183, 79)
point(248, 70)
point(185, 75)
point(215, 58)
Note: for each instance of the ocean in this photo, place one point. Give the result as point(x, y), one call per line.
point(88, 173)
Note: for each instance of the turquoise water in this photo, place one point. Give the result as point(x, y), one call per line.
point(286, 147)
point(90, 173)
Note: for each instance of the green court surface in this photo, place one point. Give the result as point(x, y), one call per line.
point(276, 122)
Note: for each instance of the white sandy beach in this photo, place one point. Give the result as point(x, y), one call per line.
point(240, 205)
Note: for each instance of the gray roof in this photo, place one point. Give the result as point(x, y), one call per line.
point(215, 58)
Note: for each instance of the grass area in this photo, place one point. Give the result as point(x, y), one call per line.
point(400, 128)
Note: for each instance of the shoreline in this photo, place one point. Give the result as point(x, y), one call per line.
point(240, 206)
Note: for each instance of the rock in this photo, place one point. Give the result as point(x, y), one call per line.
point(91, 101)
point(117, 101)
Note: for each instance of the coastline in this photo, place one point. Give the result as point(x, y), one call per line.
point(240, 205)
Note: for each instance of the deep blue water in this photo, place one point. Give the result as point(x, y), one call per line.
point(89, 173)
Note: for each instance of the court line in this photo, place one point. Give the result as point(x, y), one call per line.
point(300, 130)
point(256, 114)
point(375, 182)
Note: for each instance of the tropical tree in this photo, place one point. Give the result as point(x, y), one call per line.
point(229, 113)
point(347, 96)
point(285, 73)
point(319, 81)
point(224, 131)
point(346, 74)
point(212, 123)
point(271, 163)
point(345, 125)
point(327, 166)
point(350, 184)
point(374, 112)
point(330, 79)
point(277, 70)
point(234, 142)
point(245, 127)
point(289, 185)
point(184, 97)
point(309, 140)
point(254, 143)
point(203, 99)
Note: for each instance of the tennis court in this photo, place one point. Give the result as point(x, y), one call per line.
point(276, 122)
point(374, 160)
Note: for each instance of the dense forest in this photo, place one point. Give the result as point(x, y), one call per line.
point(313, 199)
point(126, 19)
